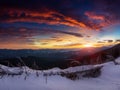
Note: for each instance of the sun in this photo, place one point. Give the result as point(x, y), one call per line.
point(88, 45)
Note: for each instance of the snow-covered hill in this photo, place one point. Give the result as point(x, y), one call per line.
point(27, 79)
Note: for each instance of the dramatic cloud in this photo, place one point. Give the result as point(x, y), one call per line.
point(70, 45)
point(100, 42)
point(28, 21)
point(118, 40)
point(109, 41)
point(100, 13)
point(48, 17)
point(94, 16)
point(27, 34)
point(69, 33)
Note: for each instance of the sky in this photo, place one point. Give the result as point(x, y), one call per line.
point(58, 24)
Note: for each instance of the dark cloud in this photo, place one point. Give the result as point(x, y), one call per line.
point(111, 7)
point(27, 34)
point(24, 21)
point(100, 42)
point(70, 45)
point(44, 43)
point(59, 40)
point(109, 41)
point(90, 14)
point(88, 36)
point(69, 33)
point(49, 17)
point(118, 40)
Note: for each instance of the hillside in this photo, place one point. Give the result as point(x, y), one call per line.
point(108, 79)
point(43, 59)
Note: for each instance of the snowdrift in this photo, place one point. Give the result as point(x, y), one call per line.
point(108, 80)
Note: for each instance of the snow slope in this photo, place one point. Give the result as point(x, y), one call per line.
point(109, 79)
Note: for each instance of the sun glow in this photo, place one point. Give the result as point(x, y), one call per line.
point(88, 45)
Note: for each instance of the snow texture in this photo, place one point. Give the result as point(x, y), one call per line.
point(108, 80)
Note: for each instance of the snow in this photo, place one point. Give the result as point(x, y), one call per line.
point(71, 69)
point(118, 60)
point(108, 80)
point(9, 70)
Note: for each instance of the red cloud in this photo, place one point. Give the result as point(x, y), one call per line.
point(48, 17)
point(94, 21)
point(94, 16)
point(99, 20)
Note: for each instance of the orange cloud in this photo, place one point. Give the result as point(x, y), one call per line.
point(72, 45)
point(94, 16)
point(97, 21)
point(94, 21)
point(48, 17)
